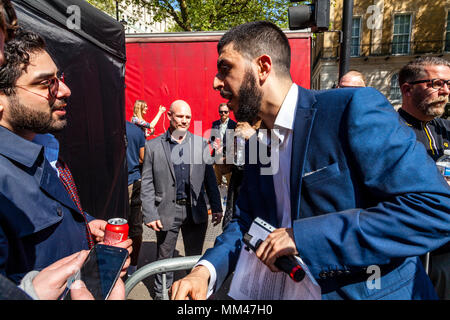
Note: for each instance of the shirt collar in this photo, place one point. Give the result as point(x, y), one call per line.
point(284, 122)
point(169, 137)
point(50, 144)
point(17, 148)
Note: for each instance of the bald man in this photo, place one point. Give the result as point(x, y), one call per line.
point(175, 177)
point(352, 79)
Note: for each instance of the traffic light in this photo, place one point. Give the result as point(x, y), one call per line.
point(315, 16)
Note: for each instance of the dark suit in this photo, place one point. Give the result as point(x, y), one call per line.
point(363, 192)
point(159, 194)
point(222, 169)
point(231, 125)
point(39, 222)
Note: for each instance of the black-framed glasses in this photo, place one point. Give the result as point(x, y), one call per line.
point(435, 83)
point(223, 112)
point(52, 85)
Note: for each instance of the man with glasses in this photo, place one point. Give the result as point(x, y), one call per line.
point(41, 218)
point(219, 140)
point(425, 87)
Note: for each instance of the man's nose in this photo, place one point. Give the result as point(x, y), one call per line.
point(63, 91)
point(217, 83)
point(446, 88)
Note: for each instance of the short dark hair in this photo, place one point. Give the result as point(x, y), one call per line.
point(256, 38)
point(414, 69)
point(17, 57)
point(223, 104)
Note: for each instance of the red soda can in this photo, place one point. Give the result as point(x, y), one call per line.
point(116, 231)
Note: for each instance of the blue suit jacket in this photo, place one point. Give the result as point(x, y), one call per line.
point(370, 196)
point(39, 223)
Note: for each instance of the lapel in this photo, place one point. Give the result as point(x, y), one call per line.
point(51, 184)
point(167, 152)
point(304, 118)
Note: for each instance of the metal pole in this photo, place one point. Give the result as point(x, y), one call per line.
point(344, 56)
point(117, 10)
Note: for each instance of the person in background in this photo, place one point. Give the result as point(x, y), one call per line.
point(352, 79)
point(139, 110)
point(175, 176)
point(135, 158)
point(425, 86)
point(220, 127)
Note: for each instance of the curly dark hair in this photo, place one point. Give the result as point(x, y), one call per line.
point(17, 57)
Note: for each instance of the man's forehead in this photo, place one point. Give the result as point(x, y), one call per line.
point(228, 53)
point(41, 65)
point(437, 68)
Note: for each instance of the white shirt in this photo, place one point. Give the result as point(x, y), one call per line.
point(283, 129)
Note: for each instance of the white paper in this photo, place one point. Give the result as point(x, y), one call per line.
point(253, 280)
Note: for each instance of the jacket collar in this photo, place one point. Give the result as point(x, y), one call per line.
point(304, 119)
point(18, 149)
point(409, 119)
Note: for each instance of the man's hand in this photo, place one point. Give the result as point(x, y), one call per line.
point(98, 229)
point(155, 225)
point(193, 286)
point(51, 281)
point(216, 218)
point(244, 130)
point(278, 243)
point(127, 244)
point(78, 291)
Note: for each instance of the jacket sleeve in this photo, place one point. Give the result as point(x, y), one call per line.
point(409, 214)
point(3, 251)
point(149, 210)
point(212, 190)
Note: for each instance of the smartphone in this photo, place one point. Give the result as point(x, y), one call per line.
point(101, 270)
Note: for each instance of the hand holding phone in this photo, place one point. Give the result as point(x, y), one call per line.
point(101, 270)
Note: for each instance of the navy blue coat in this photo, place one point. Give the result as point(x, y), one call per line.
point(39, 223)
point(372, 196)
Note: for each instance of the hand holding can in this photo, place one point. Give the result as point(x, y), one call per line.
point(116, 231)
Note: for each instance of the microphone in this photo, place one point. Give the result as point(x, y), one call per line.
point(287, 264)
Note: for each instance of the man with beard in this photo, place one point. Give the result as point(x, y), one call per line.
point(353, 190)
point(425, 90)
point(41, 218)
point(425, 86)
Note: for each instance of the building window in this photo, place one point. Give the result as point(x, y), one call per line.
point(356, 37)
point(395, 93)
point(447, 33)
point(402, 32)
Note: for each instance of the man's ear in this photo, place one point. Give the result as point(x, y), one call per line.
point(264, 64)
point(406, 89)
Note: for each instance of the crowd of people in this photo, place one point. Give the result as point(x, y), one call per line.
point(357, 184)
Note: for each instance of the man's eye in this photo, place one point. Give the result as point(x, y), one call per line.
point(45, 83)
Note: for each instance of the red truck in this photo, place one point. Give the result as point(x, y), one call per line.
point(164, 67)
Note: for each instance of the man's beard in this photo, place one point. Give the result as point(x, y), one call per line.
point(249, 100)
point(25, 118)
point(434, 107)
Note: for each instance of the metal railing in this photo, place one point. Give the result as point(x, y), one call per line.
point(161, 266)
